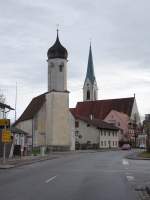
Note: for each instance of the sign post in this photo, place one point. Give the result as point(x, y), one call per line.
point(4, 153)
point(6, 137)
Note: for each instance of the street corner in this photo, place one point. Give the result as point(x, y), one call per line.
point(6, 166)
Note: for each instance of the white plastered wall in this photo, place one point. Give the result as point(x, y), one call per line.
point(92, 134)
point(135, 113)
point(57, 119)
point(57, 80)
point(27, 127)
point(72, 131)
point(40, 127)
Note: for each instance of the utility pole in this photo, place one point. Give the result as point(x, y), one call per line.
point(4, 149)
point(146, 124)
point(16, 102)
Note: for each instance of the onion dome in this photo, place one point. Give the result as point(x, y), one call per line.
point(57, 50)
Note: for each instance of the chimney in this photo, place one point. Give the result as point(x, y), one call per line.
point(91, 116)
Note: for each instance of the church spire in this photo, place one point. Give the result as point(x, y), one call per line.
point(90, 86)
point(90, 68)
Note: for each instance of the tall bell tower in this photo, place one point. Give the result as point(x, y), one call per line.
point(90, 90)
point(57, 67)
point(57, 98)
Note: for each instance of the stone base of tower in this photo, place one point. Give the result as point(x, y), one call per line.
point(57, 121)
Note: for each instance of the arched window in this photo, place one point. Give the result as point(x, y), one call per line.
point(95, 95)
point(88, 95)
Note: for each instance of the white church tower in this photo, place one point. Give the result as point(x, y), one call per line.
point(90, 90)
point(57, 99)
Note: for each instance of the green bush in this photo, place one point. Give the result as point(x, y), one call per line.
point(36, 151)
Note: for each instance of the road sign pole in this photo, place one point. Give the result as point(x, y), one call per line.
point(4, 153)
point(4, 148)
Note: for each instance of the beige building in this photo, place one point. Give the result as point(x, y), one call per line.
point(94, 134)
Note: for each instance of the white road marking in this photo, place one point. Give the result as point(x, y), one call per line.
point(50, 179)
point(130, 178)
point(125, 162)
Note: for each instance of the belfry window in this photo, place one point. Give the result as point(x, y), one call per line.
point(94, 95)
point(60, 68)
point(88, 95)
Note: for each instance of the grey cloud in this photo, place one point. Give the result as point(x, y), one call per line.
point(120, 42)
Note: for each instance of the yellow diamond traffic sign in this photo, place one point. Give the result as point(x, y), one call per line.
point(6, 136)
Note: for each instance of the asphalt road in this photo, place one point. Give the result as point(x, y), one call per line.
point(82, 176)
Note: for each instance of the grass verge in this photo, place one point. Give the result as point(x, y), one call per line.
point(144, 154)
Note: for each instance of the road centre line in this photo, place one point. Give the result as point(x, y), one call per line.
point(130, 178)
point(125, 162)
point(50, 179)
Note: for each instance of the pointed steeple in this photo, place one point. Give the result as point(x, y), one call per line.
point(90, 90)
point(90, 68)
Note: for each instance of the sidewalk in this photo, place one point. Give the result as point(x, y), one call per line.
point(25, 160)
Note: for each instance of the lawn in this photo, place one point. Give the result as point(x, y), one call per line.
point(144, 154)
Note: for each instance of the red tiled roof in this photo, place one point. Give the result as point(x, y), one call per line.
point(100, 108)
point(32, 108)
point(98, 123)
point(73, 111)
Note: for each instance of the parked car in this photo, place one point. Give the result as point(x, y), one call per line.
point(126, 147)
point(142, 146)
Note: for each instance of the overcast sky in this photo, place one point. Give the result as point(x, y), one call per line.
point(120, 34)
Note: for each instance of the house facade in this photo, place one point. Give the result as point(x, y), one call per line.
point(94, 134)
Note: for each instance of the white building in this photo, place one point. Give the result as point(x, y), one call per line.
point(94, 134)
point(46, 118)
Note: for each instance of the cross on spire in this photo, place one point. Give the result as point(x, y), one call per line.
point(57, 25)
point(90, 41)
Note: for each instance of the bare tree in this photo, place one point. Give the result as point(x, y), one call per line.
point(2, 98)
